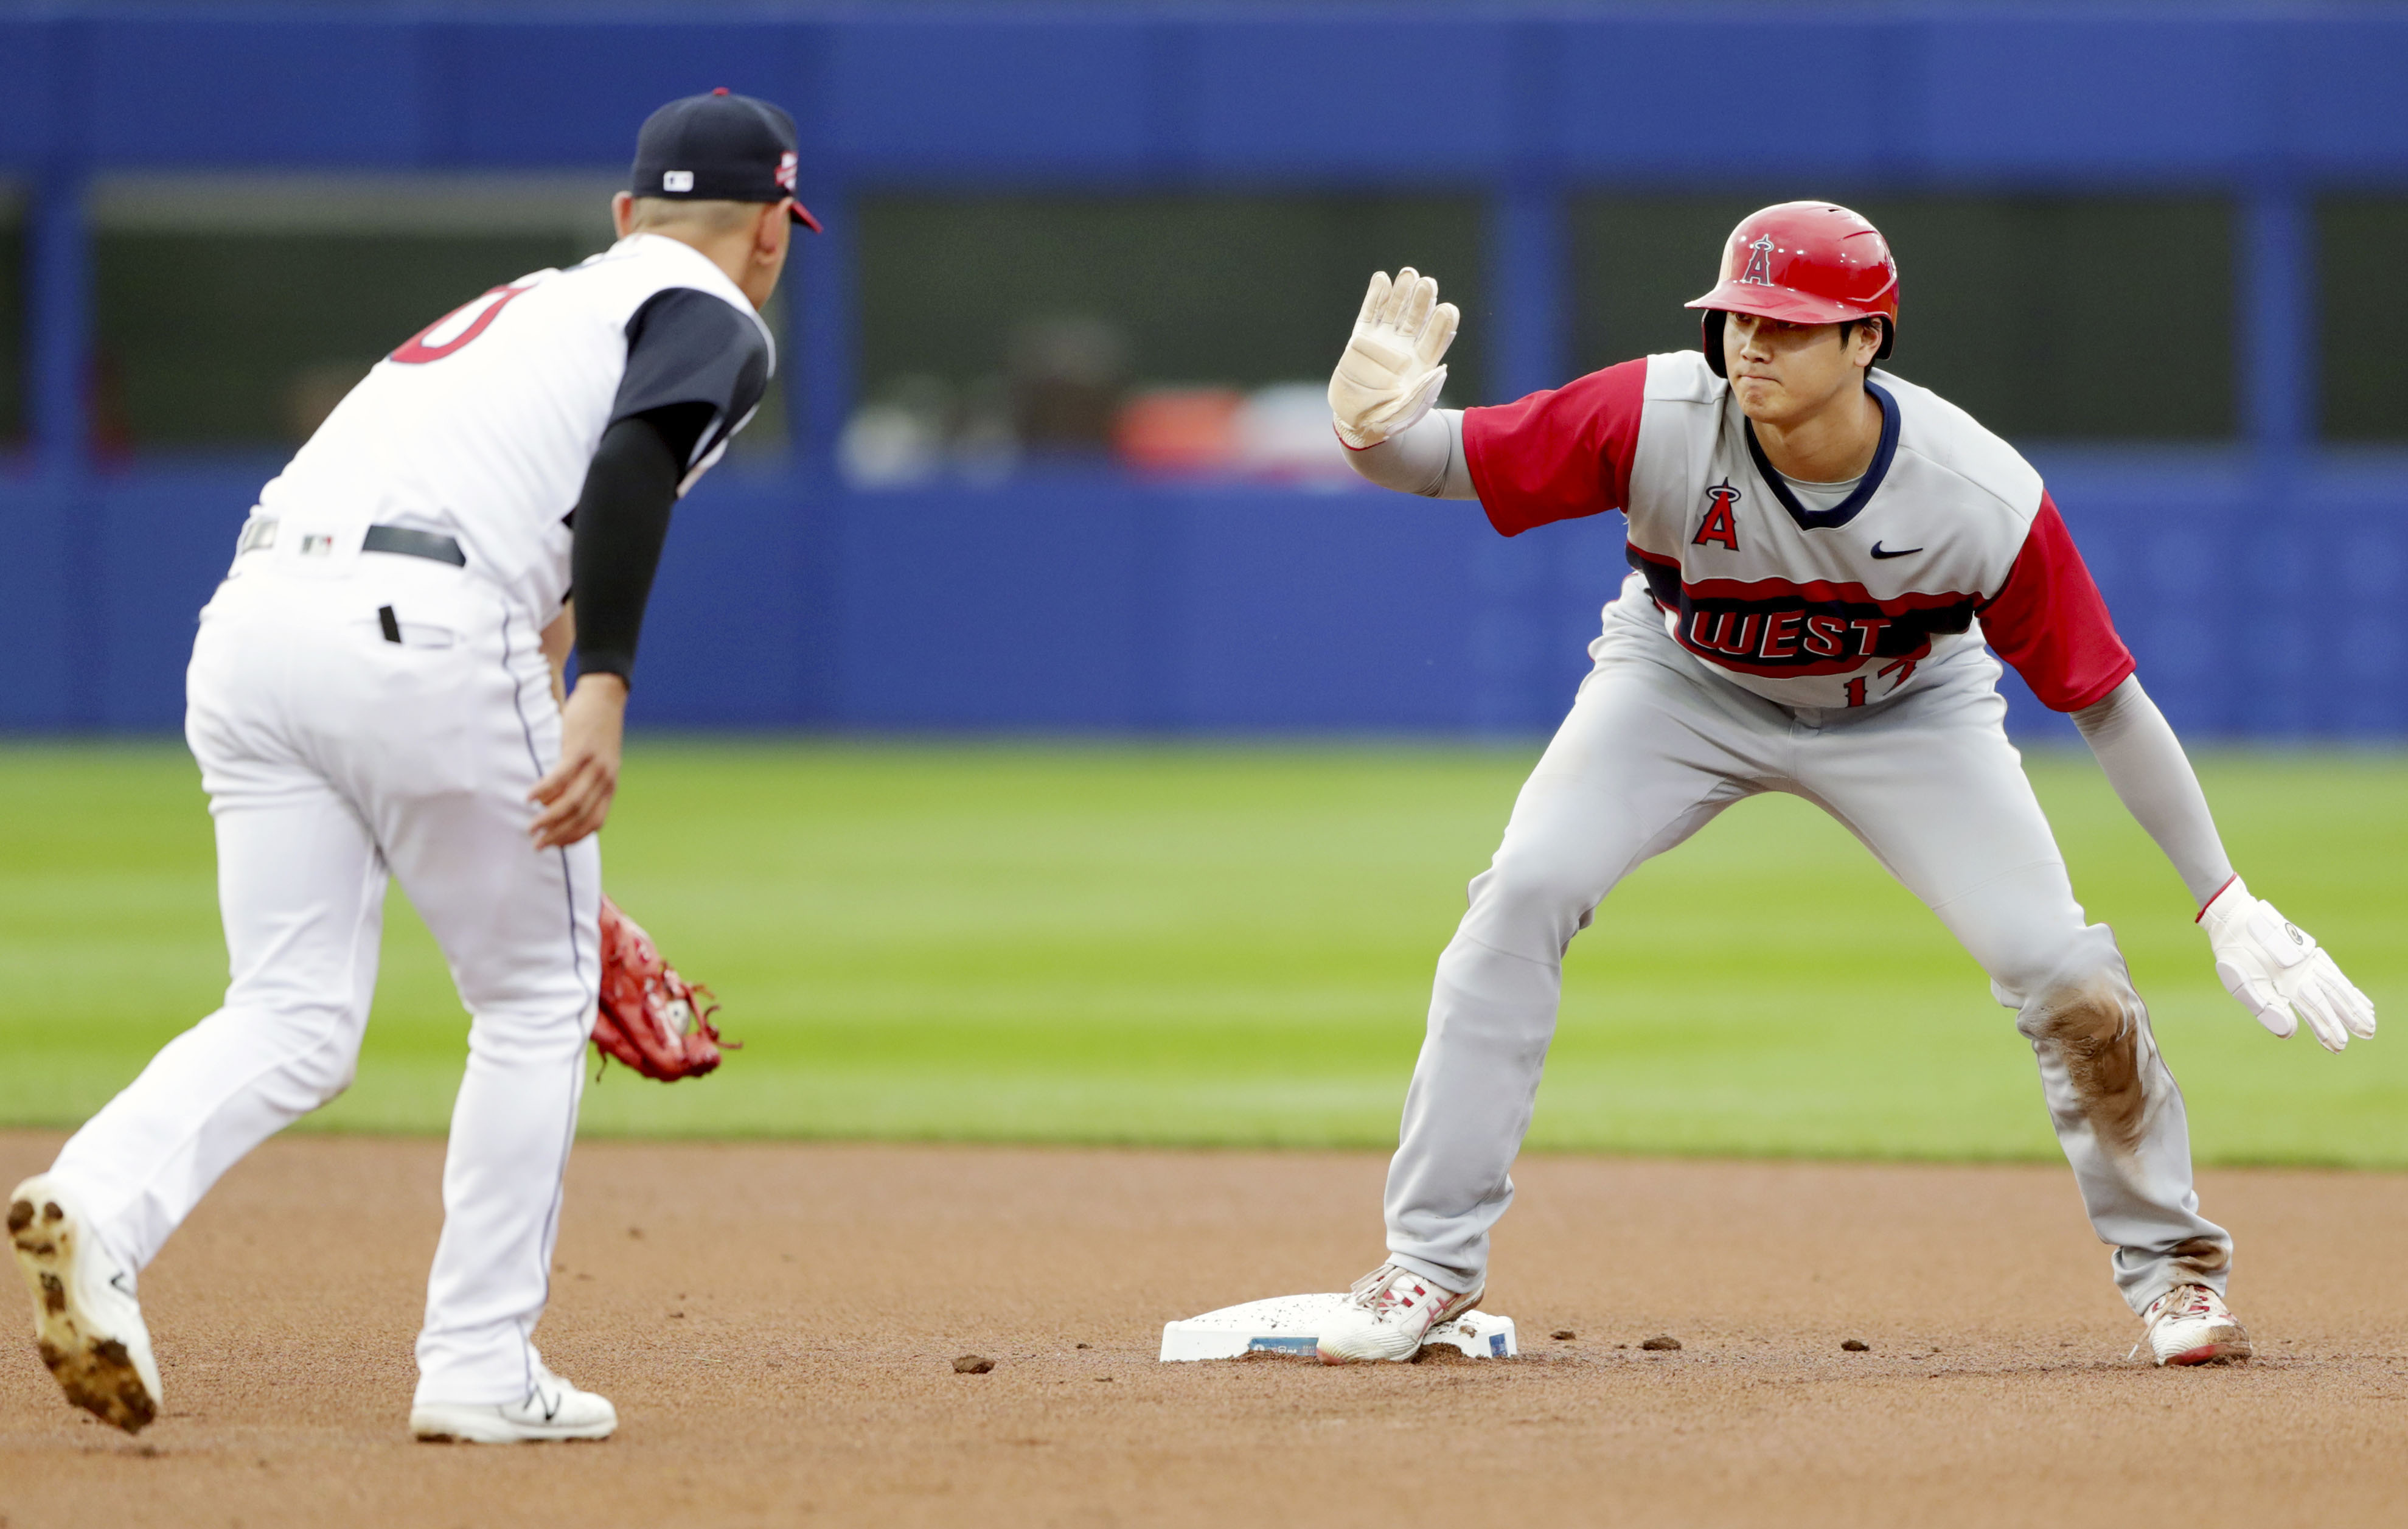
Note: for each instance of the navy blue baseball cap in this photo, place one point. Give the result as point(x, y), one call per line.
point(718, 148)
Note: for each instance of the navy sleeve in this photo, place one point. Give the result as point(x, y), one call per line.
point(687, 347)
point(616, 531)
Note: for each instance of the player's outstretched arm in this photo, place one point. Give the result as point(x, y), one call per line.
point(1392, 371)
point(2270, 966)
point(1425, 459)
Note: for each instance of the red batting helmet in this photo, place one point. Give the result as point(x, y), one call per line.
point(1810, 263)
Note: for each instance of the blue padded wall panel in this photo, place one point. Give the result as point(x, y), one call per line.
point(2160, 541)
point(536, 94)
point(2132, 94)
point(42, 601)
point(166, 539)
point(223, 93)
point(33, 123)
point(722, 642)
point(1653, 97)
point(1022, 606)
point(2341, 92)
point(2180, 587)
point(2253, 610)
point(2353, 625)
point(1323, 97)
point(1635, 95)
point(1530, 614)
point(953, 96)
point(1325, 611)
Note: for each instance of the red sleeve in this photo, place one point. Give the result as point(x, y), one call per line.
point(2050, 624)
point(1556, 455)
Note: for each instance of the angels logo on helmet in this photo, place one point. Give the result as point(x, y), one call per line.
point(1759, 261)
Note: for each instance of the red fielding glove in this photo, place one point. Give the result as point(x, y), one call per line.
point(650, 1017)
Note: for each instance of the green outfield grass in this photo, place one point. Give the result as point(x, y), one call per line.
point(1232, 945)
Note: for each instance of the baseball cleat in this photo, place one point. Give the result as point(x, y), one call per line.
point(1386, 1314)
point(85, 1316)
point(2190, 1325)
point(554, 1410)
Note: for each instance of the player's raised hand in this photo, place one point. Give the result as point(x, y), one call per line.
point(2273, 967)
point(1391, 374)
point(575, 795)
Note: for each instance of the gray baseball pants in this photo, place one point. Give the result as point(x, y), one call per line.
point(1655, 745)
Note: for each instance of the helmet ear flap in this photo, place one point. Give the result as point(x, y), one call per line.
point(1889, 338)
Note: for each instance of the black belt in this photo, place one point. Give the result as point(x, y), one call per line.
point(407, 543)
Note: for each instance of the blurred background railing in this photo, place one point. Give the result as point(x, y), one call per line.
point(1048, 450)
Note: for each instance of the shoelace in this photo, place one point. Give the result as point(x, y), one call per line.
point(1376, 1292)
point(2181, 1301)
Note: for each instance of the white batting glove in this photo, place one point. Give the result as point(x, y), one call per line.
point(1390, 374)
point(2274, 967)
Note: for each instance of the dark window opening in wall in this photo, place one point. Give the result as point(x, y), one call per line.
point(2048, 319)
point(2364, 325)
point(14, 424)
point(234, 313)
point(1166, 333)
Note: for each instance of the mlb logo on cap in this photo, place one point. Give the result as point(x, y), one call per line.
point(677, 180)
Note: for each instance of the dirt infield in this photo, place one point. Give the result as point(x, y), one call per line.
point(777, 1324)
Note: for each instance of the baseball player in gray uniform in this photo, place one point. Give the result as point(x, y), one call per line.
point(1824, 558)
point(373, 692)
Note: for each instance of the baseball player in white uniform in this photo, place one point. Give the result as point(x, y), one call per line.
point(1824, 557)
point(373, 694)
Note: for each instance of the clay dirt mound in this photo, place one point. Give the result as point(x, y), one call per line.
point(779, 1324)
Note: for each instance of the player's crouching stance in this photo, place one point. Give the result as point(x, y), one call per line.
point(371, 694)
point(1821, 550)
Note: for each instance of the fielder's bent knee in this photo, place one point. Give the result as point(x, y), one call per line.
point(316, 1046)
point(522, 1034)
point(1530, 906)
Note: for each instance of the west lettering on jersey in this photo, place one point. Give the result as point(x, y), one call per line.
point(1779, 629)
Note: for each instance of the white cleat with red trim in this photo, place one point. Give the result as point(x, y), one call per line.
point(1387, 1315)
point(2189, 1324)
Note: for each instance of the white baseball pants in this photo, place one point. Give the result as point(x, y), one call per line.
point(333, 756)
point(1654, 747)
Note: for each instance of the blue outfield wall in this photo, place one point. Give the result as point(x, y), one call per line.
point(1091, 604)
point(2261, 585)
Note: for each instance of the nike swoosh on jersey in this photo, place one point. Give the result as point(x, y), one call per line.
point(1903, 551)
